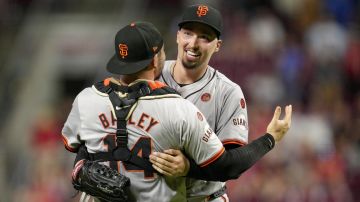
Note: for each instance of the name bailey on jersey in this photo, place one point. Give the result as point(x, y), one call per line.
point(145, 122)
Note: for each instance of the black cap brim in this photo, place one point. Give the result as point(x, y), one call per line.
point(218, 33)
point(115, 66)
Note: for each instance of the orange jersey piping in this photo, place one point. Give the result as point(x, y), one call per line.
point(212, 159)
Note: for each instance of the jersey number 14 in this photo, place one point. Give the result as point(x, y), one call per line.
point(142, 148)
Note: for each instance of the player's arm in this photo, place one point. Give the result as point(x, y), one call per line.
point(232, 120)
point(70, 133)
point(71, 128)
point(174, 163)
point(232, 163)
point(231, 128)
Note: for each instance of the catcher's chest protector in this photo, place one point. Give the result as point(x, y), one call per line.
point(123, 107)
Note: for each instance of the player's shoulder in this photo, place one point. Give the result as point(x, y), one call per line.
point(173, 110)
point(167, 65)
point(174, 102)
point(90, 94)
point(88, 91)
point(171, 100)
point(184, 109)
point(223, 81)
point(166, 71)
point(83, 96)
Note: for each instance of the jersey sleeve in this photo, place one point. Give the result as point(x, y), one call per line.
point(199, 140)
point(232, 124)
point(71, 128)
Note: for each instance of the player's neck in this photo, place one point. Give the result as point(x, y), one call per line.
point(143, 75)
point(184, 75)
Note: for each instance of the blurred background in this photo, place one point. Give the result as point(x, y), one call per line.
point(300, 52)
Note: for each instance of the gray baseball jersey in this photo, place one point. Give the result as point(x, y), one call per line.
point(223, 104)
point(157, 123)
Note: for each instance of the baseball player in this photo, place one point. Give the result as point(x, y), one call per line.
point(160, 119)
point(220, 100)
point(91, 119)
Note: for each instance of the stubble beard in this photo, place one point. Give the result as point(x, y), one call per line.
point(189, 65)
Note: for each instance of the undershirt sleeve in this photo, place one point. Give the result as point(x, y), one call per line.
point(232, 163)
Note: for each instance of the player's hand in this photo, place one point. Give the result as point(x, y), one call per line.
point(278, 128)
point(171, 163)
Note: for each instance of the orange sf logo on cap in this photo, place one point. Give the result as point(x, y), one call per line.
point(123, 50)
point(202, 10)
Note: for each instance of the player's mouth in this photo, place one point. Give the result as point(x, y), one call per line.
point(190, 55)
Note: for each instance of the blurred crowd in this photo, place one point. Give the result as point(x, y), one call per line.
point(306, 53)
point(300, 52)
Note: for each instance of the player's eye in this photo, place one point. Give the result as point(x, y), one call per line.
point(187, 33)
point(205, 37)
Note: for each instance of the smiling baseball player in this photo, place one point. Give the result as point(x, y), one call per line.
point(220, 100)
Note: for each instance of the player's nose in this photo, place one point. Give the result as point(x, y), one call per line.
point(193, 42)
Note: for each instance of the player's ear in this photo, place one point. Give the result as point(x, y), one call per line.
point(177, 36)
point(218, 45)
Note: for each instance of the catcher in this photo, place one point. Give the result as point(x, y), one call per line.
point(122, 120)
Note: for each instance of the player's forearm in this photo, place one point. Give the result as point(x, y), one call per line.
point(233, 162)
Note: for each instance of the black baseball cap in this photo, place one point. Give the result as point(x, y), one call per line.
point(203, 14)
point(136, 45)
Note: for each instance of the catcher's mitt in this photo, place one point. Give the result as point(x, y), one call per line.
point(100, 181)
